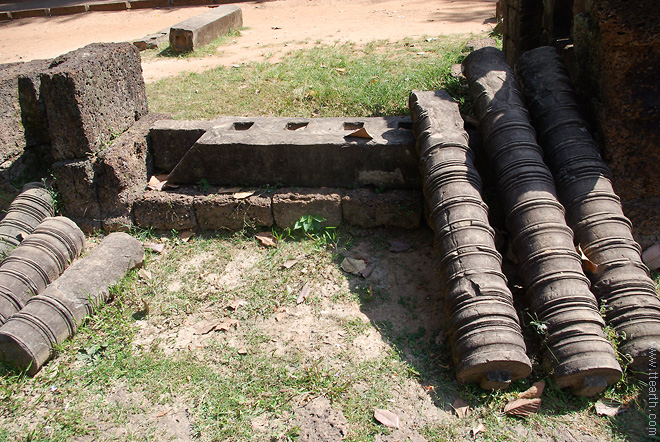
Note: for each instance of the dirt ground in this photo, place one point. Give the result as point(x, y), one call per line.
point(273, 28)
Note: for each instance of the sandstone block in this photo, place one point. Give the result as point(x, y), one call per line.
point(303, 152)
point(216, 212)
point(171, 139)
point(122, 173)
point(91, 95)
point(289, 205)
point(165, 210)
point(391, 208)
point(203, 29)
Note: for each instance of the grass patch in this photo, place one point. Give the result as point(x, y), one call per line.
point(324, 81)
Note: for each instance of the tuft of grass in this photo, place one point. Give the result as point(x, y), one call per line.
point(323, 81)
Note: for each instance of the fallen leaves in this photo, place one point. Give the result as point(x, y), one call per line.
point(533, 392)
point(461, 408)
point(607, 407)
point(341, 71)
point(289, 263)
point(360, 133)
point(159, 182)
point(267, 239)
point(207, 328)
point(522, 407)
point(481, 428)
point(158, 248)
point(243, 195)
point(144, 274)
point(304, 293)
point(386, 418)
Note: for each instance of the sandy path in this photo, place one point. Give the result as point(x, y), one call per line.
point(274, 28)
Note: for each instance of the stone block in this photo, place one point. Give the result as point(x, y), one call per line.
point(91, 95)
point(303, 152)
point(204, 28)
point(76, 182)
point(142, 4)
point(5, 15)
point(152, 41)
point(391, 208)
point(68, 10)
point(23, 123)
point(289, 205)
point(165, 210)
point(109, 6)
point(171, 139)
point(28, 13)
point(216, 212)
point(122, 173)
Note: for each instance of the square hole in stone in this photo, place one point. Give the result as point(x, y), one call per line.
point(351, 125)
point(242, 125)
point(297, 125)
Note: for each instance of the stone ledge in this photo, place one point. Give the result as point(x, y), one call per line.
point(204, 28)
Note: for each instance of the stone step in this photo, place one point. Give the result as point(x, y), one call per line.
point(319, 152)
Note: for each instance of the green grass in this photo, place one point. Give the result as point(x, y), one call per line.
point(324, 81)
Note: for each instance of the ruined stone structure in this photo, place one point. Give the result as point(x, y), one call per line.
point(612, 50)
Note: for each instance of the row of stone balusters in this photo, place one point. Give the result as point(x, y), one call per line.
point(558, 293)
point(620, 280)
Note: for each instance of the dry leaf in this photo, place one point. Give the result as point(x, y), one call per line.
point(606, 407)
point(145, 307)
point(341, 71)
point(304, 293)
point(367, 271)
point(242, 351)
point(144, 274)
point(204, 329)
point(158, 248)
point(227, 325)
point(386, 418)
point(399, 246)
point(461, 408)
point(243, 195)
point(353, 265)
point(186, 235)
point(522, 407)
point(236, 303)
point(360, 133)
point(267, 239)
point(587, 264)
point(290, 263)
point(536, 390)
point(481, 428)
point(157, 182)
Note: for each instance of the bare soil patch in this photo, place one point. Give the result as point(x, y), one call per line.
point(274, 28)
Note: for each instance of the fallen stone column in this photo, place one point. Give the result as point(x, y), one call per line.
point(621, 281)
point(28, 209)
point(27, 339)
point(39, 260)
point(578, 353)
point(485, 334)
